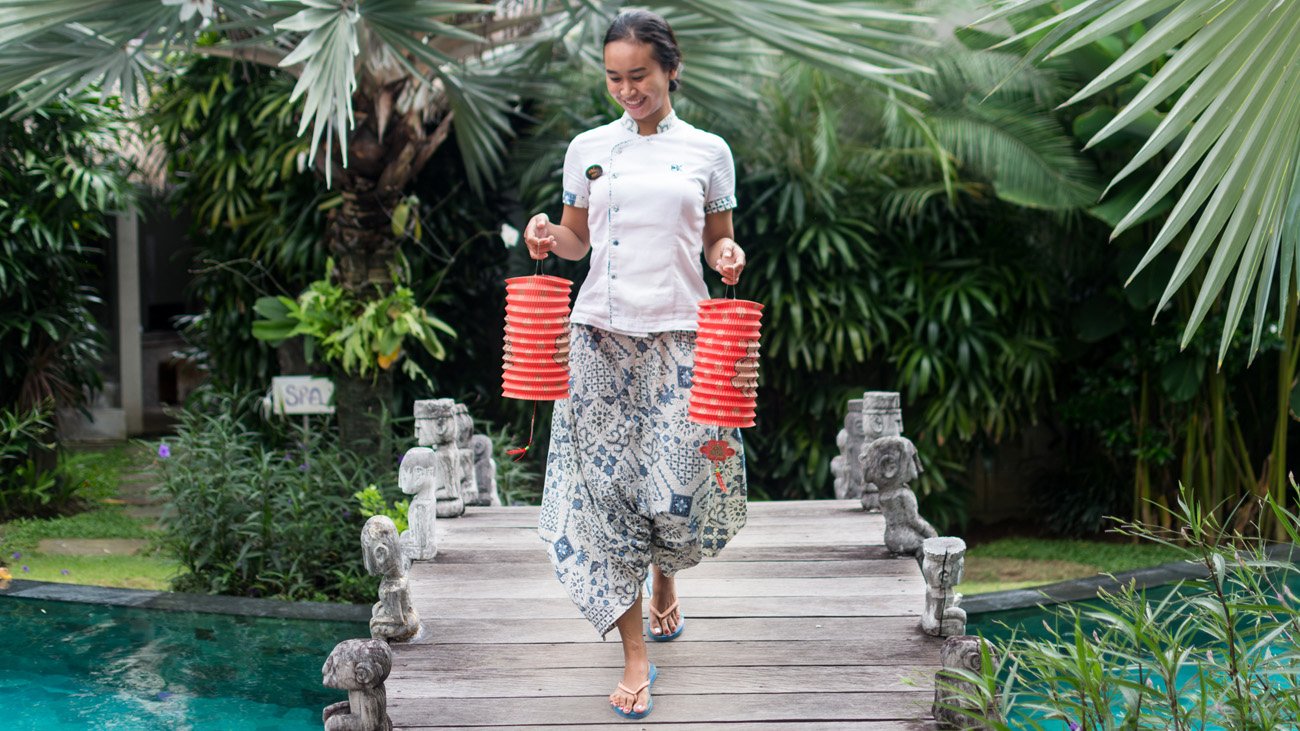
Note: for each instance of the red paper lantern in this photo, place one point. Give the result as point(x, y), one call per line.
point(724, 387)
point(536, 354)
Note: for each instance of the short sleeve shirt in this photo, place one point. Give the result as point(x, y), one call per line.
point(646, 199)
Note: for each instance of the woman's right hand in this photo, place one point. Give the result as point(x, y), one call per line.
point(537, 235)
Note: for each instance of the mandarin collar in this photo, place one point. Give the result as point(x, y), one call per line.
point(664, 125)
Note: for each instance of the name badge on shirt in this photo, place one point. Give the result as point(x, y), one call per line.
point(595, 171)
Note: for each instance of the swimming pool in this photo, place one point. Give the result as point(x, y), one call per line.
point(1275, 653)
point(66, 665)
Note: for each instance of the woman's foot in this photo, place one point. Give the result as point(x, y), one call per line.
point(635, 675)
point(662, 620)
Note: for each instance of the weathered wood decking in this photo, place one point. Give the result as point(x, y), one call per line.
point(803, 622)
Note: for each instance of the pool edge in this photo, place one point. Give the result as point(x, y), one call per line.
point(183, 602)
point(1088, 588)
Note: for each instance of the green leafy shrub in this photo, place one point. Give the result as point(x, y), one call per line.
point(27, 488)
point(1217, 652)
point(265, 509)
point(373, 503)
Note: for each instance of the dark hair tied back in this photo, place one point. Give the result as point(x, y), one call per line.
point(643, 26)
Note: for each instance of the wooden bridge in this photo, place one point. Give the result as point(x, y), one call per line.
point(803, 623)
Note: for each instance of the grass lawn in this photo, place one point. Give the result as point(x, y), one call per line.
point(100, 472)
point(1015, 563)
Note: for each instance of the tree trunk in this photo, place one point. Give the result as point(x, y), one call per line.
point(386, 150)
point(362, 407)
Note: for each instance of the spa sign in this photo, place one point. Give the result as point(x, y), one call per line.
point(302, 395)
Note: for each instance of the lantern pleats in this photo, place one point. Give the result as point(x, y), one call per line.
point(535, 363)
point(724, 388)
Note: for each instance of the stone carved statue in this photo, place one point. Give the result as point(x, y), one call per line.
point(882, 416)
point(435, 428)
point(847, 466)
point(467, 484)
point(891, 463)
point(392, 618)
point(485, 470)
point(943, 562)
point(418, 476)
point(955, 705)
point(360, 667)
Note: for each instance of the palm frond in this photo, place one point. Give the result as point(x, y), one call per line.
point(1233, 76)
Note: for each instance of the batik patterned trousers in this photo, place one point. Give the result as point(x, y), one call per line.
point(626, 482)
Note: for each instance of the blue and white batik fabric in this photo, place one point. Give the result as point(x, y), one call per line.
point(626, 482)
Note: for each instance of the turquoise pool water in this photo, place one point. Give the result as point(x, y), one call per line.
point(76, 666)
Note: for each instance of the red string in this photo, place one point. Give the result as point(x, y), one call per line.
point(523, 451)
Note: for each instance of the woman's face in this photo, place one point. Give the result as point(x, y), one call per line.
point(637, 81)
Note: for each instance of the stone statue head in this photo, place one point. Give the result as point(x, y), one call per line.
point(482, 446)
point(380, 547)
point(416, 474)
point(891, 462)
point(853, 419)
point(358, 665)
point(963, 652)
point(434, 422)
point(943, 560)
point(464, 425)
point(881, 415)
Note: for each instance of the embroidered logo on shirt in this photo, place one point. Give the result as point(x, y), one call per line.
point(595, 171)
point(677, 168)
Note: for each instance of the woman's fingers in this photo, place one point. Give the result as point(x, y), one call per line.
point(537, 236)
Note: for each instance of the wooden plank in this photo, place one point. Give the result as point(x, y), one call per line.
point(719, 726)
point(702, 629)
point(909, 647)
point(508, 682)
point(756, 514)
point(431, 607)
point(537, 554)
point(709, 569)
point(712, 708)
point(468, 536)
point(532, 586)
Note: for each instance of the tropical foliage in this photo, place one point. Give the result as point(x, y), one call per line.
point(1226, 86)
point(265, 509)
point(1215, 652)
point(59, 172)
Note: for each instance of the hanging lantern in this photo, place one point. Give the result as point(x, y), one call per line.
point(724, 390)
point(536, 353)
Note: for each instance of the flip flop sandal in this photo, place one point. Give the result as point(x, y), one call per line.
point(649, 703)
point(660, 616)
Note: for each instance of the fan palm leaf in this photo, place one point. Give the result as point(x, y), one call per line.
point(1231, 79)
point(474, 60)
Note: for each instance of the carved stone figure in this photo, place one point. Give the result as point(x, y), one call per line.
point(392, 618)
point(955, 706)
point(466, 484)
point(847, 467)
point(942, 563)
point(891, 463)
point(485, 470)
point(882, 416)
point(435, 428)
point(418, 477)
point(360, 667)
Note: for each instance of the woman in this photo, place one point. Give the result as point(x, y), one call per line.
point(628, 489)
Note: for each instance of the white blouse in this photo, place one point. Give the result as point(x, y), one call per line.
point(646, 198)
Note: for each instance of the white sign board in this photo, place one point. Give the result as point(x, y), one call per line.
point(302, 395)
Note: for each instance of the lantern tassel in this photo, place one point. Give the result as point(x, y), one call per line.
point(522, 452)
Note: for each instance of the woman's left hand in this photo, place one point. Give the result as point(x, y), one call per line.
point(730, 262)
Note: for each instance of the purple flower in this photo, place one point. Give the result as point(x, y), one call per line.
point(27, 570)
point(17, 555)
point(302, 467)
point(164, 451)
point(288, 456)
point(346, 513)
point(65, 572)
point(1074, 726)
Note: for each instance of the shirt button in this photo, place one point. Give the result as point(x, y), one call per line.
point(616, 209)
point(613, 276)
point(616, 242)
